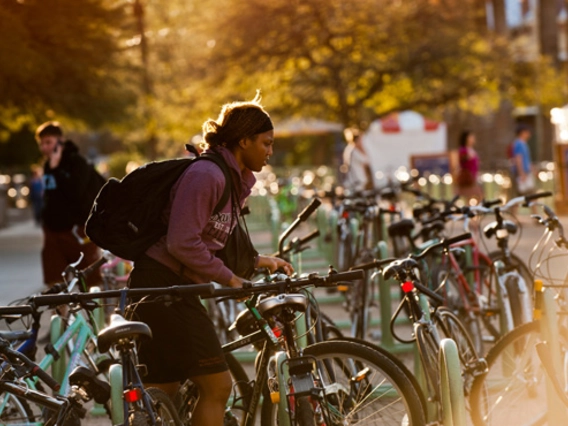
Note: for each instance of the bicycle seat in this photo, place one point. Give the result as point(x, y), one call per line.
point(12, 336)
point(432, 229)
point(398, 266)
point(388, 194)
point(491, 228)
point(119, 329)
point(402, 228)
point(87, 379)
point(273, 305)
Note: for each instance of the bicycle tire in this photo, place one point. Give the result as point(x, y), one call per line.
point(428, 350)
point(457, 301)
point(304, 412)
point(514, 301)
point(187, 396)
point(513, 390)
point(164, 408)
point(519, 264)
point(451, 327)
point(518, 306)
point(15, 410)
point(381, 395)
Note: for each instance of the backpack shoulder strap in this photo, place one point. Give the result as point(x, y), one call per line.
point(217, 159)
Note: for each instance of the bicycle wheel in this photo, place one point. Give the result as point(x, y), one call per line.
point(358, 384)
point(164, 410)
point(520, 302)
point(451, 327)
point(428, 348)
point(457, 300)
point(514, 390)
point(187, 396)
point(14, 410)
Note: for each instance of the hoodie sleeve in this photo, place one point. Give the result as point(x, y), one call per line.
point(196, 196)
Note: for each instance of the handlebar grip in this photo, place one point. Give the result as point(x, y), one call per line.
point(531, 197)
point(16, 310)
point(491, 203)
point(457, 239)
point(94, 266)
point(46, 378)
point(304, 214)
point(309, 237)
point(56, 288)
point(346, 276)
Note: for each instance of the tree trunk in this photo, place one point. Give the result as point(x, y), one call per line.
point(548, 30)
point(499, 17)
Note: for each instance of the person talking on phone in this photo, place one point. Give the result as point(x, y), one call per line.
point(69, 183)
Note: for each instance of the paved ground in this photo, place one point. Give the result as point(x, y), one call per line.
point(20, 269)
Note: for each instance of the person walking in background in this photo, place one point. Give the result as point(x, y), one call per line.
point(356, 165)
point(467, 184)
point(36, 193)
point(522, 169)
point(70, 186)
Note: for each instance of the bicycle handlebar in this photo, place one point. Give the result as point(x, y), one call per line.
point(445, 243)
point(287, 285)
point(63, 299)
point(32, 366)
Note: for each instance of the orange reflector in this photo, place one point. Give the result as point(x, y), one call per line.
point(132, 395)
point(407, 286)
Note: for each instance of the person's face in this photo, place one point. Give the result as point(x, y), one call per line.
point(470, 140)
point(47, 144)
point(257, 151)
point(525, 135)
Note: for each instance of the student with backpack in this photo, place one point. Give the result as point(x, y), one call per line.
point(70, 184)
point(184, 343)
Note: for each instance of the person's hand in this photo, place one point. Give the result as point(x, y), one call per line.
point(274, 263)
point(236, 282)
point(55, 156)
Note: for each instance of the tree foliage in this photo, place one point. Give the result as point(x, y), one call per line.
point(347, 59)
point(62, 58)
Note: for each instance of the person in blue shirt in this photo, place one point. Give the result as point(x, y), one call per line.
point(522, 170)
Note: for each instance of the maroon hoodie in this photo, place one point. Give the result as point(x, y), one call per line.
point(194, 233)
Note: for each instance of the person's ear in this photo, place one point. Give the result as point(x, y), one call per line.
point(243, 143)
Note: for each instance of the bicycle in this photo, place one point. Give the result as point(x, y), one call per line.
point(436, 355)
point(515, 387)
point(327, 382)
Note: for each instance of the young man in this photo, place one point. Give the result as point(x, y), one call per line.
point(67, 179)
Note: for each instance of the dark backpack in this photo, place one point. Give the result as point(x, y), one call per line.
point(94, 185)
point(126, 216)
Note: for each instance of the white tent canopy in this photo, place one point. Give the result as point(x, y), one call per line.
point(391, 141)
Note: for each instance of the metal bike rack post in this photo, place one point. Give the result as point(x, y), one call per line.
point(451, 391)
point(556, 413)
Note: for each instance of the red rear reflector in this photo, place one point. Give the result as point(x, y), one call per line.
point(345, 215)
point(407, 286)
point(132, 395)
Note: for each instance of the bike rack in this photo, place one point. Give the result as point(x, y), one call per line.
point(545, 309)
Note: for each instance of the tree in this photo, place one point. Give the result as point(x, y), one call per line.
point(62, 58)
point(347, 60)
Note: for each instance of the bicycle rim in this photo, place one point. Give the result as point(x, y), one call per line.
point(14, 410)
point(514, 389)
point(361, 385)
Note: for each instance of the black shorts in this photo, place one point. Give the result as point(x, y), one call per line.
point(184, 341)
